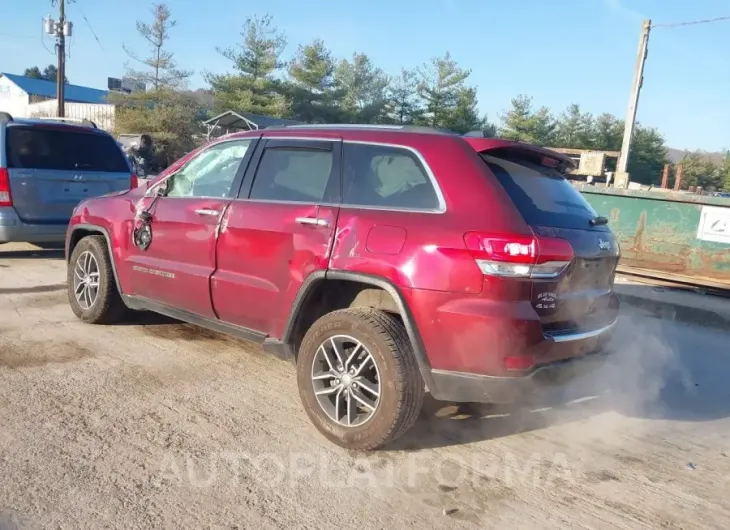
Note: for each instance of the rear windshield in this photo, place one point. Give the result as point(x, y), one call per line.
point(45, 148)
point(542, 195)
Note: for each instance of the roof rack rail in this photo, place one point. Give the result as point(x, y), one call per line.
point(6, 116)
point(342, 126)
point(476, 134)
point(81, 121)
point(366, 126)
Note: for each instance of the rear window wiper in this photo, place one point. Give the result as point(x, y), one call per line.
point(600, 220)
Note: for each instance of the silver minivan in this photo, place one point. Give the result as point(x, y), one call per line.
point(47, 166)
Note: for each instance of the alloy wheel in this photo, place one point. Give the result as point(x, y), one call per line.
point(86, 280)
point(346, 381)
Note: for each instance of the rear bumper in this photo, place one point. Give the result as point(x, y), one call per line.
point(12, 229)
point(578, 353)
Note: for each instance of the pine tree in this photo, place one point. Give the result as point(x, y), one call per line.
point(441, 82)
point(404, 106)
point(465, 116)
point(523, 123)
point(725, 172)
point(314, 93)
point(574, 129)
point(364, 90)
point(254, 86)
point(608, 132)
point(162, 71)
point(648, 156)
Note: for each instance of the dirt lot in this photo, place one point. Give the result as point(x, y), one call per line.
point(159, 424)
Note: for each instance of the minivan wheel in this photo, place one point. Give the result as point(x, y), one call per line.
point(358, 378)
point(92, 290)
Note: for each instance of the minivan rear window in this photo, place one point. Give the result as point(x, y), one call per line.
point(542, 195)
point(58, 149)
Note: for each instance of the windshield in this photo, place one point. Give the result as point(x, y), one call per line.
point(542, 195)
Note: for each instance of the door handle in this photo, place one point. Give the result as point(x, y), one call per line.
point(206, 211)
point(314, 221)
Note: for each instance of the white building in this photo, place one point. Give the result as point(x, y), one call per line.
point(24, 97)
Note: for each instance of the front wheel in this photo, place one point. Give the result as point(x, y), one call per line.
point(358, 378)
point(92, 289)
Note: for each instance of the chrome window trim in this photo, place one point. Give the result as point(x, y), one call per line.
point(427, 168)
point(198, 197)
point(429, 173)
point(302, 138)
point(338, 205)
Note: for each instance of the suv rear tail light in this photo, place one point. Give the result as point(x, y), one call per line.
point(519, 256)
point(134, 182)
point(5, 197)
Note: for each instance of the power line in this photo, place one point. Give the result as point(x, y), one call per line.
point(690, 23)
point(83, 15)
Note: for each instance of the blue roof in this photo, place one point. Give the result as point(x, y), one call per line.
point(41, 87)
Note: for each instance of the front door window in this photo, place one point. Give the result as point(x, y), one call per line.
point(211, 173)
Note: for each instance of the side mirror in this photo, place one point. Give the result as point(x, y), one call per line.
point(159, 189)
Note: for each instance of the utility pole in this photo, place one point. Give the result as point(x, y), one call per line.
point(61, 50)
point(622, 177)
point(60, 29)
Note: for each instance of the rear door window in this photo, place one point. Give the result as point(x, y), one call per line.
point(293, 173)
point(66, 150)
point(542, 195)
point(386, 177)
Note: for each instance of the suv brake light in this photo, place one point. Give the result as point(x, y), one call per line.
point(5, 197)
point(134, 182)
point(519, 256)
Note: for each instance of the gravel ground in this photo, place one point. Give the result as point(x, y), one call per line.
point(161, 424)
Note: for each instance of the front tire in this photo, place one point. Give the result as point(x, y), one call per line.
point(358, 378)
point(92, 289)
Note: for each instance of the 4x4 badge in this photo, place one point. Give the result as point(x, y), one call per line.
point(604, 245)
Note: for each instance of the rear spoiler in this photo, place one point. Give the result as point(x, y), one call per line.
point(497, 146)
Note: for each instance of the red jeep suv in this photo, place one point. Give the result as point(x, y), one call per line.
point(384, 261)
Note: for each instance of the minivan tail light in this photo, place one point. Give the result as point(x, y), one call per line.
point(5, 198)
point(519, 256)
point(134, 182)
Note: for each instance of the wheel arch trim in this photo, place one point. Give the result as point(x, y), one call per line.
point(414, 336)
point(104, 232)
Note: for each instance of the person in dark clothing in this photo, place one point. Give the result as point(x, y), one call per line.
point(145, 154)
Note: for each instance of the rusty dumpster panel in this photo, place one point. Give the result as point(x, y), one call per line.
point(659, 232)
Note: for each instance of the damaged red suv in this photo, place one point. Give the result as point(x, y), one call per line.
point(384, 261)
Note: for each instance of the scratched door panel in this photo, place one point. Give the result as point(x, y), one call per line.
point(278, 232)
point(175, 269)
point(265, 252)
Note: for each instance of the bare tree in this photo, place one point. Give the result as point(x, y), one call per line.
point(162, 71)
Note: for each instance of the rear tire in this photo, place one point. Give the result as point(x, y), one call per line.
point(376, 355)
point(92, 288)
